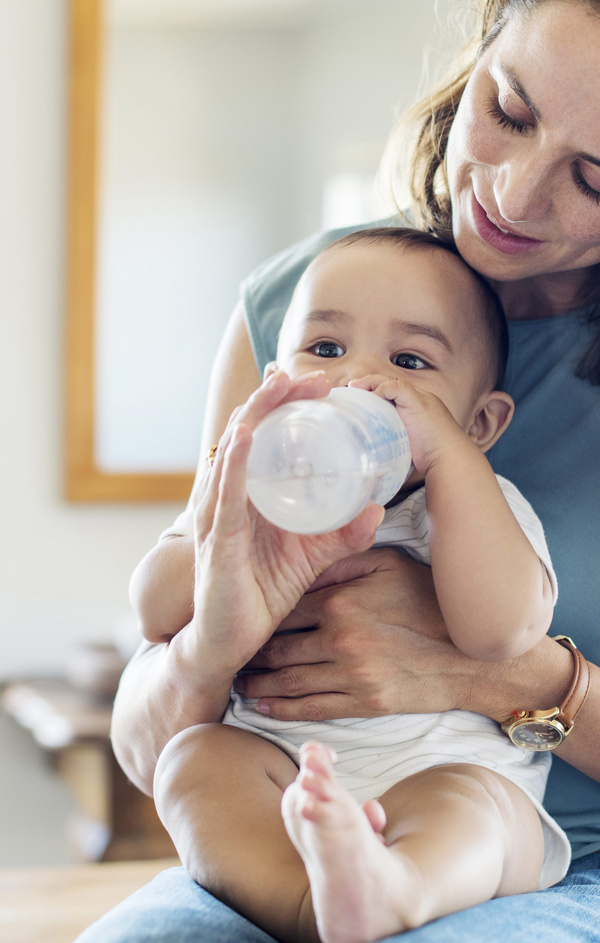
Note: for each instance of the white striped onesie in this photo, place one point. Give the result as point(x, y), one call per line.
point(375, 753)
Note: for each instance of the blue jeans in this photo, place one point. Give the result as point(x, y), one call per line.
point(173, 909)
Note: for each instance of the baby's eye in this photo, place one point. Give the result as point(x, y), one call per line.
point(327, 349)
point(408, 362)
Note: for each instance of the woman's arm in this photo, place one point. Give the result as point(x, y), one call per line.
point(358, 662)
point(361, 662)
point(248, 577)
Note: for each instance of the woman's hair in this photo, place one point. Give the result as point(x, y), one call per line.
point(426, 126)
point(493, 321)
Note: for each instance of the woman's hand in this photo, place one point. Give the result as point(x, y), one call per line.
point(378, 646)
point(249, 573)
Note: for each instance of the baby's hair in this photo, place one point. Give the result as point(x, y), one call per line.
point(493, 318)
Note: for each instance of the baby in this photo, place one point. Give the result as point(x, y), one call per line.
point(422, 814)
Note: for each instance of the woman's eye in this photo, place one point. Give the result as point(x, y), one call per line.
point(584, 187)
point(408, 362)
point(497, 112)
point(327, 349)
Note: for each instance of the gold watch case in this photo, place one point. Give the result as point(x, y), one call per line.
point(538, 731)
point(544, 730)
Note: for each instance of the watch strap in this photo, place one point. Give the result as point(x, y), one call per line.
point(578, 691)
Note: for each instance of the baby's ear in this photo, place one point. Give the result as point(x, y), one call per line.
point(269, 370)
point(492, 418)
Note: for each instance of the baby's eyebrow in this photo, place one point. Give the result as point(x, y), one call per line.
point(326, 315)
point(424, 330)
point(400, 328)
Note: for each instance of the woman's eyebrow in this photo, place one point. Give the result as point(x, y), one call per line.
point(518, 89)
point(590, 159)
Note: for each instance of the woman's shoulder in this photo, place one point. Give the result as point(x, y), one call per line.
point(267, 291)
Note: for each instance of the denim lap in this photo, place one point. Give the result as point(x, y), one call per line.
point(174, 909)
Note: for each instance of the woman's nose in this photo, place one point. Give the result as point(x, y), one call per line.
point(522, 191)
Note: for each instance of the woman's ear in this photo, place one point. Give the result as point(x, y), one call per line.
point(492, 418)
point(269, 370)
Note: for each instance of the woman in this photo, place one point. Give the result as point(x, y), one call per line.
point(510, 164)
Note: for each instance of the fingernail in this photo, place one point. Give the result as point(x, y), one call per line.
point(309, 377)
point(272, 378)
point(263, 709)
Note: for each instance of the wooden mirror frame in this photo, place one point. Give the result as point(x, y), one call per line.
point(85, 481)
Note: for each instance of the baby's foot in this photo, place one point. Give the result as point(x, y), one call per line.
point(355, 880)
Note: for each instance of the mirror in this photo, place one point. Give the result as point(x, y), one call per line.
point(205, 135)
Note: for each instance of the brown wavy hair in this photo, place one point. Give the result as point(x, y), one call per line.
point(417, 147)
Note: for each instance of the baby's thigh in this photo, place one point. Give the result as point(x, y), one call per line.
point(469, 806)
point(221, 753)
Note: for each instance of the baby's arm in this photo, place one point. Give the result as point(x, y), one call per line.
point(494, 593)
point(161, 590)
point(492, 588)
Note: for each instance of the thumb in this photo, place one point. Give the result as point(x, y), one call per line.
point(351, 539)
point(359, 534)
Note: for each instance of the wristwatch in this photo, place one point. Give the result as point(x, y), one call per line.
point(546, 730)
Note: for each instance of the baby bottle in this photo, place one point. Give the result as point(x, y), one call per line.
point(315, 464)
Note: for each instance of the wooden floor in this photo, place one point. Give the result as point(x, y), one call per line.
point(54, 905)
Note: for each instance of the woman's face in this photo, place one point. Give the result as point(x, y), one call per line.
point(524, 149)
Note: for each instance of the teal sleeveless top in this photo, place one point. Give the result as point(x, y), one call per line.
point(551, 451)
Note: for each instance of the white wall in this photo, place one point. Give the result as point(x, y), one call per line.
point(64, 568)
point(199, 161)
point(219, 140)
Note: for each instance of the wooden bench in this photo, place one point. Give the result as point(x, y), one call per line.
point(113, 821)
point(54, 905)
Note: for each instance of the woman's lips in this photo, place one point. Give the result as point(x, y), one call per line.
point(507, 242)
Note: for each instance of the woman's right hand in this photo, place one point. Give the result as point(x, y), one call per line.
point(249, 573)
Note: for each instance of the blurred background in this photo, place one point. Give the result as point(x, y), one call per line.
point(228, 129)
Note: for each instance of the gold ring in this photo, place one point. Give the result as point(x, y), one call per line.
point(210, 455)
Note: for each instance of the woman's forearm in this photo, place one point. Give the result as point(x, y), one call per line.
point(582, 748)
point(539, 680)
point(159, 696)
point(379, 646)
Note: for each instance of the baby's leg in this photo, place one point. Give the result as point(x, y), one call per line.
point(218, 792)
point(455, 836)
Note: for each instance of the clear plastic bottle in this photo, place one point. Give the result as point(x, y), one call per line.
point(315, 464)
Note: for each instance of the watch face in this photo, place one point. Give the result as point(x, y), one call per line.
point(537, 735)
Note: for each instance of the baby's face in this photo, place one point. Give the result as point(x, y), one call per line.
point(413, 312)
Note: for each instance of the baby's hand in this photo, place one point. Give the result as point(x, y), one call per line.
point(432, 430)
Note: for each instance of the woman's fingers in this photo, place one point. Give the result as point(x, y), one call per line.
point(276, 390)
point(313, 708)
point(249, 415)
point(296, 682)
point(231, 506)
point(359, 534)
